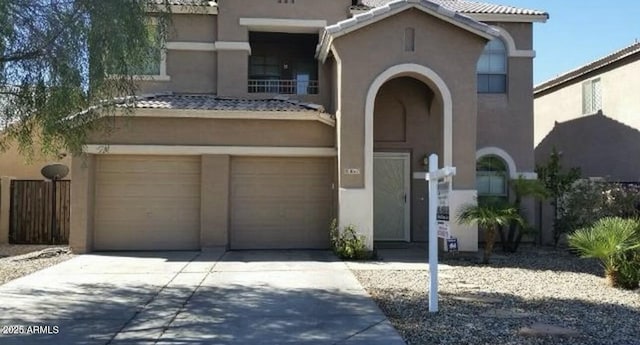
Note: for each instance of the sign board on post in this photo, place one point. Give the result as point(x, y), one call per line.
point(452, 245)
point(443, 209)
point(434, 176)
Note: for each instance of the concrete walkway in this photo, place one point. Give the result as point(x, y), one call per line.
point(261, 297)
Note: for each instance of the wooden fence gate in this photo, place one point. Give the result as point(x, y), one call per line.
point(32, 210)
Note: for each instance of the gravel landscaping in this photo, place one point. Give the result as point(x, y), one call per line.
point(19, 260)
point(518, 299)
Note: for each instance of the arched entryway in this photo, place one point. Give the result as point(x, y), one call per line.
point(408, 116)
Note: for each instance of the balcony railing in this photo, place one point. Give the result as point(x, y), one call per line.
point(285, 87)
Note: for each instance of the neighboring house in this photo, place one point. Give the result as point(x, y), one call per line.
point(263, 120)
point(591, 115)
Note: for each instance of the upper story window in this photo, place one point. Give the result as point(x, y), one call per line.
point(491, 177)
point(283, 63)
point(154, 60)
point(492, 68)
point(154, 66)
point(591, 96)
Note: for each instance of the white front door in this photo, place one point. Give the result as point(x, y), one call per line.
point(391, 196)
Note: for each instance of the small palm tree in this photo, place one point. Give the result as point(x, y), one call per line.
point(609, 240)
point(489, 214)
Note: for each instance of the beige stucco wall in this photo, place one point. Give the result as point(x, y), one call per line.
point(189, 131)
point(506, 120)
point(620, 89)
point(621, 99)
point(231, 11)
point(195, 27)
point(234, 73)
point(381, 46)
point(190, 71)
point(520, 32)
point(17, 165)
point(82, 203)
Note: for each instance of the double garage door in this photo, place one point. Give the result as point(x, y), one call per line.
point(153, 202)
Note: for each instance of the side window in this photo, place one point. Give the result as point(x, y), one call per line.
point(492, 68)
point(591, 96)
point(491, 177)
point(150, 63)
point(155, 53)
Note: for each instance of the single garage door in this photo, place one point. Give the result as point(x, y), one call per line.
point(279, 203)
point(147, 203)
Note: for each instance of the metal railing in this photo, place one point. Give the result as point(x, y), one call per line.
point(287, 87)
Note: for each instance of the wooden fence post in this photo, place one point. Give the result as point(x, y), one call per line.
point(5, 208)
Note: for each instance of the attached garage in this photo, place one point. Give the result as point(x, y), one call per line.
point(147, 203)
point(279, 203)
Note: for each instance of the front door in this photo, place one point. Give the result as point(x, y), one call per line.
point(391, 196)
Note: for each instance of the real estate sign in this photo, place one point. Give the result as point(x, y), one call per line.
point(442, 214)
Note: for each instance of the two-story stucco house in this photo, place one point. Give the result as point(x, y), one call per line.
point(592, 115)
point(263, 120)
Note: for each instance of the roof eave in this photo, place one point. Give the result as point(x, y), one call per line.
point(490, 17)
point(379, 13)
point(568, 78)
point(510, 18)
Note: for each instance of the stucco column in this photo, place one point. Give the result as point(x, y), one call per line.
point(467, 235)
point(355, 201)
point(233, 73)
point(82, 203)
point(214, 201)
point(5, 207)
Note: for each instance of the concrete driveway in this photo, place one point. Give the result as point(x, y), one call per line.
point(253, 297)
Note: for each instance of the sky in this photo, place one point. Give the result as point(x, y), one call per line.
point(579, 31)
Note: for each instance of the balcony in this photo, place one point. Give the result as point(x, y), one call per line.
point(284, 87)
point(283, 63)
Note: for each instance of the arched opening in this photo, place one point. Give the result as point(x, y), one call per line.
point(492, 177)
point(408, 125)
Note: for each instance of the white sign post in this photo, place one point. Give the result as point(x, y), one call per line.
point(434, 176)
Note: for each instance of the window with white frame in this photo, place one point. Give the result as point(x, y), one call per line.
point(492, 68)
point(591, 96)
point(491, 176)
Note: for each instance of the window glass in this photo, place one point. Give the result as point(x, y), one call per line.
point(591, 96)
point(152, 67)
point(492, 68)
point(491, 177)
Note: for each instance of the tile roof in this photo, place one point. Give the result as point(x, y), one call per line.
point(461, 6)
point(614, 57)
point(215, 103)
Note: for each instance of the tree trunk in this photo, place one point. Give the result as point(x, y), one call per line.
point(503, 240)
point(489, 240)
point(613, 278)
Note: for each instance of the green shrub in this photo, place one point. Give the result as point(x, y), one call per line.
point(347, 244)
point(589, 201)
point(616, 243)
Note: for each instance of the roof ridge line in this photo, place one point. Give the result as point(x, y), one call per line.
point(594, 64)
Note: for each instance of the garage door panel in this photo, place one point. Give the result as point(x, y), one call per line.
point(281, 202)
point(147, 203)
